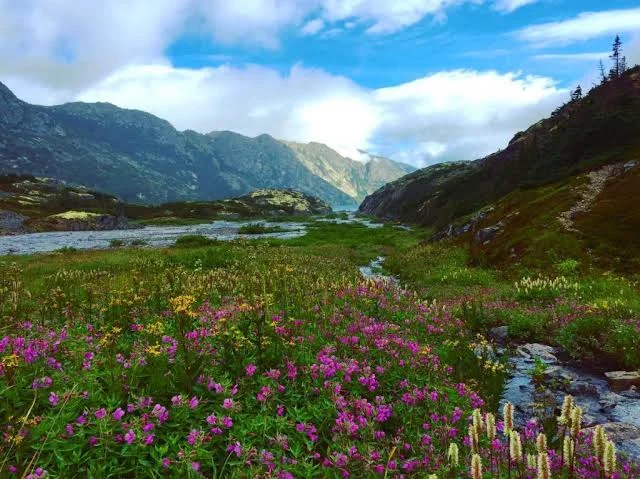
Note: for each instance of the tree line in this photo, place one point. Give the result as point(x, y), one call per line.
point(618, 67)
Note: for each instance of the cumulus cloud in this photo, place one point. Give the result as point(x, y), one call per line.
point(585, 26)
point(440, 116)
point(67, 50)
point(305, 104)
point(462, 114)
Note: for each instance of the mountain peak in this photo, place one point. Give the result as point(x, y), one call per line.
point(6, 95)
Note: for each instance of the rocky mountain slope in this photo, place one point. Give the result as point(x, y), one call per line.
point(141, 158)
point(541, 178)
point(355, 178)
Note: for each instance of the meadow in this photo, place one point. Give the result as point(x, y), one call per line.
point(276, 359)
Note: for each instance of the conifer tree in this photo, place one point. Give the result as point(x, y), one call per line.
point(603, 75)
point(617, 58)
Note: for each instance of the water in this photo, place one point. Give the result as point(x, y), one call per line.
point(151, 235)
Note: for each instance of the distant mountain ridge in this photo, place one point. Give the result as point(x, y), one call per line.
point(142, 158)
point(355, 178)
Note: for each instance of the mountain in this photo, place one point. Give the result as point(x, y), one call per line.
point(355, 178)
point(558, 177)
point(31, 204)
point(141, 158)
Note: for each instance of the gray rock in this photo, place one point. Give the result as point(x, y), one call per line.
point(621, 380)
point(12, 222)
point(499, 334)
point(535, 350)
point(487, 234)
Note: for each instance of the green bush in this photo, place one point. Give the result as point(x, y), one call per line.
point(586, 337)
point(528, 327)
point(259, 229)
point(190, 241)
point(116, 243)
point(567, 267)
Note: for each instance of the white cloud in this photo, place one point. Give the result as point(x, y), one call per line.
point(312, 27)
point(441, 116)
point(55, 51)
point(585, 26)
point(471, 113)
point(580, 57)
point(304, 105)
point(508, 6)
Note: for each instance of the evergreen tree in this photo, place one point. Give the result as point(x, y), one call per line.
point(623, 65)
point(603, 76)
point(576, 94)
point(616, 57)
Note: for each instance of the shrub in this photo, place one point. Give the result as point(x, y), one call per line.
point(528, 327)
point(191, 241)
point(116, 243)
point(567, 267)
point(258, 229)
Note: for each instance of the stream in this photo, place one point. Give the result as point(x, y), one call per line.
point(150, 235)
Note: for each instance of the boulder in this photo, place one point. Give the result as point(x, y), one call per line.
point(499, 334)
point(621, 380)
point(11, 222)
point(485, 235)
point(535, 350)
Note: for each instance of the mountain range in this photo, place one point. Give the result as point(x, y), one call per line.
point(142, 158)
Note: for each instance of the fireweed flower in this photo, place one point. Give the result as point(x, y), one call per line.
point(117, 414)
point(250, 369)
point(130, 436)
point(100, 413)
point(53, 399)
point(235, 448)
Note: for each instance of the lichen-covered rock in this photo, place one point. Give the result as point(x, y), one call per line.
point(81, 221)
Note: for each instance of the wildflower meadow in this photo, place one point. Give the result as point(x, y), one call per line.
point(265, 360)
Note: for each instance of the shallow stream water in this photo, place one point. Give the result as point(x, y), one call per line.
point(150, 235)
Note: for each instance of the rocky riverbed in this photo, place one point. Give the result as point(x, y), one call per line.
point(613, 402)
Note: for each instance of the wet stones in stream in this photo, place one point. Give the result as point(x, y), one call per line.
point(617, 410)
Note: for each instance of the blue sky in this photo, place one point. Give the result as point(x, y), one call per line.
point(419, 80)
point(472, 36)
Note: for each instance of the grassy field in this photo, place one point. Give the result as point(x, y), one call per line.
point(275, 358)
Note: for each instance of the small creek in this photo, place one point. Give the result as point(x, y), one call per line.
point(618, 412)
